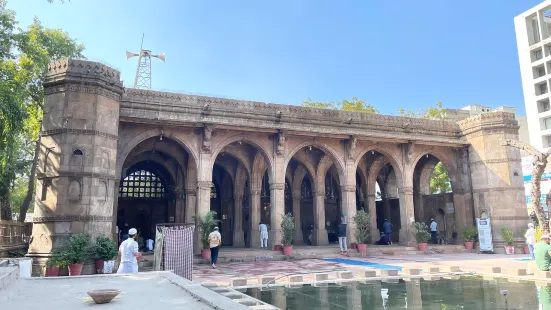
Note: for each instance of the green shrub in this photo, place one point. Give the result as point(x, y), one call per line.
point(421, 232)
point(105, 248)
point(287, 229)
point(78, 249)
point(58, 258)
point(507, 235)
point(470, 233)
point(206, 224)
point(363, 226)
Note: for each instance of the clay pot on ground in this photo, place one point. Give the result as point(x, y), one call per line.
point(205, 253)
point(422, 246)
point(287, 250)
point(509, 249)
point(526, 250)
point(75, 269)
point(469, 245)
point(362, 248)
point(52, 272)
point(99, 266)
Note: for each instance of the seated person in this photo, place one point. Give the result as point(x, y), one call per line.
point(543, 259)
point(385, 240)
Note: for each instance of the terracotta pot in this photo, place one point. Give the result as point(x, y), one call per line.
point(287, 250)
point(509, 250)
point(99, 266)
point(422, 246)
point(52, 272)
point(354, 245)
point(278, 247)
point(362, 248)
point(205, 253)
point(469, 245)
point(75, 269)
point(526, 250)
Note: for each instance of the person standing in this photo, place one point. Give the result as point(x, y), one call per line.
point(433, 231)
point(129, 253)
point(387, 229)
point(215, 239)
point(343, 243)
point(530, 236)
point(263, 235)
point(541, 252)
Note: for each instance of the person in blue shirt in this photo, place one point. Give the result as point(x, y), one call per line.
point(387, 229)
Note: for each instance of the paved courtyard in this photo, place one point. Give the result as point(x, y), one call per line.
point(477, 263)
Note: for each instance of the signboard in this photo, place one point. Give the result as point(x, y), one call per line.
point(485, 234)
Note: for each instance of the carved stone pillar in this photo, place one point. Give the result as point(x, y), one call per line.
point(277, 196)
point(348, 206)
point(203, 207)
point(299, 238)
point(191, 202)
point(238, 235)
point(375, 234)
point(319, 235)
point(255, 218)
point(406, 216)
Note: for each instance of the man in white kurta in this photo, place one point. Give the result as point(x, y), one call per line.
point(263, 236)
point(129, 254)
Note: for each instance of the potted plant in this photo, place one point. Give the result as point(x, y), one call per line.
point(54, 262)
point(288, 230)
point(422, 235)
point(363, 225)
point(106, 252)
point(508, 236)
point(206, 225)
point(78, 250)
point(469, 236)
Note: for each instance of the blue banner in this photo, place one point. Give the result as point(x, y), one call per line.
point(545, 176)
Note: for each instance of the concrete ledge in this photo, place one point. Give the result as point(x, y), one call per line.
point(411, 271)
point(434, 270)
point(516, 272)
point(295, 279)
point(494, 269)
point(321, 276)
point(389, 273)
point(543, 274)
point(238, 282)
point(452, 269)
point(265, 280)
point(8, 275)
point(370, 274)
point(346, 275)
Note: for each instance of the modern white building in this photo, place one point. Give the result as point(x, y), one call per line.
point(533, 31)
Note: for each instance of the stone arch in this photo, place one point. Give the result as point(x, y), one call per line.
point(74, 191)
point(338, 159)
point(447, 160)
point(103, 194)
point(305, 162)
point(125, 149)
point(392, 156)
point(242, 137)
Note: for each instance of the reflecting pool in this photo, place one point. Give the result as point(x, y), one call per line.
point(465, 293)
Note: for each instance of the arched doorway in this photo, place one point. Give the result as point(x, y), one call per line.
point(433, 197)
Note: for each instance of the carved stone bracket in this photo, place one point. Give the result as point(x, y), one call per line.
point(280, 147)
point(351, 146)
point(408, 149)
point(207, 136)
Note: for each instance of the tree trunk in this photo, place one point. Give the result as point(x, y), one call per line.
point(535, 193)
point(5, 208)
point(30, 190)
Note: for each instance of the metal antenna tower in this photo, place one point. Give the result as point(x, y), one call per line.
point(143, 73)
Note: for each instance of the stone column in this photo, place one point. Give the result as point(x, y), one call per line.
point(348, 206)
point(238, 235)
point(406, 214)
point(76, 172)
point(203, 207)
point(255, 218)
point(114, 233)
point(299, 238)
point(413, 292)
point(319, 235)
point(191, 202)
point(375, 234)
point(277, 196)
point(279, 298)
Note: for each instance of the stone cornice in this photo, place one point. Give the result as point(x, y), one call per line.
point(488, 123)
point(142, 105)
point(90, 89)
point(72, 218)
point(77, 68)
point(77, 174)
point(494, 161)
point(79, 132)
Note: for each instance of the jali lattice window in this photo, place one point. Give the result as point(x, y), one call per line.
point(142, 184)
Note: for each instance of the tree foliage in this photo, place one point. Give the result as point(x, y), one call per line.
point(436, 112)
point(440, 180)
point(24, 58)
point(353, 105)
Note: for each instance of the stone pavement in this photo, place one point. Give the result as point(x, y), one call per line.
point(467, 262)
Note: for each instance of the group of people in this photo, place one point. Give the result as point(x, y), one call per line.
point(539, 251)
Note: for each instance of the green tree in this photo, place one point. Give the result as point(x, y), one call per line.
point(440, 180)
point(437, 112)
point(24, 59)
point(353, 105)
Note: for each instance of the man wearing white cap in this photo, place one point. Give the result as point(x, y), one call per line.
point(129, 254)
point(543, 259)
point(530, 236)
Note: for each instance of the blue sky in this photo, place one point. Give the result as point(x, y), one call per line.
point(393, 54)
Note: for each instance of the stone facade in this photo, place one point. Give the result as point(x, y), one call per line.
point(253, 162)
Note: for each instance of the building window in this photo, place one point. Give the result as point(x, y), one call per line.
point(538, 54)
point(142, 184)
point(544, 106)
point(541, 72)
point(547, 123)
point(543, 88)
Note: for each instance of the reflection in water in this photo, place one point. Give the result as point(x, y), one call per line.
point(466, 293)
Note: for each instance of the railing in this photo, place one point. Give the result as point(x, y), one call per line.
point(12, 234)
